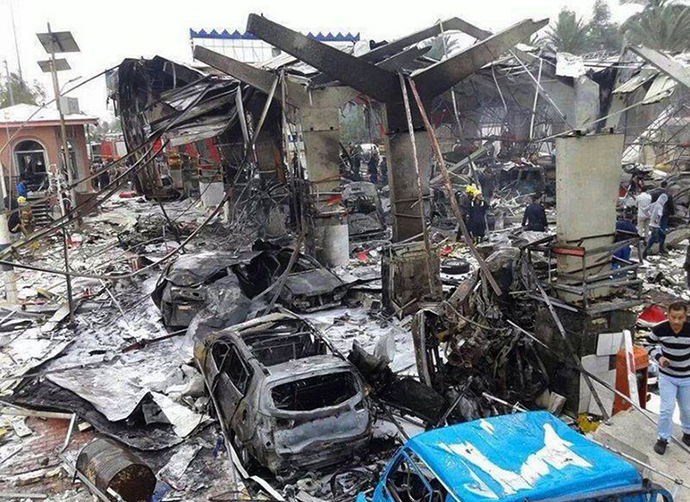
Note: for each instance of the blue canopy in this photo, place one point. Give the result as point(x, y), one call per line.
point(530, 455)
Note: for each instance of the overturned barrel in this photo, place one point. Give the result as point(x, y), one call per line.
point(111, 468)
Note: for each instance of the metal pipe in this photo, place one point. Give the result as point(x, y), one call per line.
point(536, 99)
point(65, 254)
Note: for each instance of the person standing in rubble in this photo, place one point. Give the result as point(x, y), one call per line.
point(373, 168)
point(476, 220)
point(465, 200)
point(625, 230)
point(671, 349)
point(655, 218)
point(535, 215)
point(669, 210)
point(26, 217)
point(644, 208)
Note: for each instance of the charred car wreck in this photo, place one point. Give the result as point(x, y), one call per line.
point(286, 400)
point(365, 218)
point(187, 285)
point(308, 286)
point(193, 282)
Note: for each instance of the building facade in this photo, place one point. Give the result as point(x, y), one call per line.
point(35, 144)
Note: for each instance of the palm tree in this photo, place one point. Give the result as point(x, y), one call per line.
point(604, 35)
point(662, 25)
point(569, 34)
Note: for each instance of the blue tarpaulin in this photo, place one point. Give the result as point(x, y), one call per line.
point(516, 457)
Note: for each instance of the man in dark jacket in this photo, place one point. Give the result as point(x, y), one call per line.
point(476, 220)
point(535, 216)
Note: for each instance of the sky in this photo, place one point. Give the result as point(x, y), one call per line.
point(108, 32)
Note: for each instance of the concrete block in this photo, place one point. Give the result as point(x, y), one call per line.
point(609, 344)
point(211, 193)
point(601, 367)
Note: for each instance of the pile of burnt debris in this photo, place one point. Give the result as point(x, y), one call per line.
point(266, 311)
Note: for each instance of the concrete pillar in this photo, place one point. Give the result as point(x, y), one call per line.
point(587, 180)
point(321, 134)
point(402, 175)
point(405, 266)
point(402, 178)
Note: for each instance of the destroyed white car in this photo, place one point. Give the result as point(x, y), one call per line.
point(285, 399)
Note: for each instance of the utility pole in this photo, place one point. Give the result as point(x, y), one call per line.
point(11, 296)
point(16, 45)
point(9, 85)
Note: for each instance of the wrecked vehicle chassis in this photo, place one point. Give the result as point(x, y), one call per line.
point(287, 402)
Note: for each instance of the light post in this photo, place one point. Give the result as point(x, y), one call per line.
point(61, 42)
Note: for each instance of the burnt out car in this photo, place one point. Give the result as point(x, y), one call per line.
point(308, 287)
point(187, 285)
point(286, 399)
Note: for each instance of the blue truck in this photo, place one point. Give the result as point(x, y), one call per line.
point(522, 457)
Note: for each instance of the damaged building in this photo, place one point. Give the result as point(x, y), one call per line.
point(261, 307)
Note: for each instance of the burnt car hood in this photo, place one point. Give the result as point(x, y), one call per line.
point(318, 281)
point(193, 269)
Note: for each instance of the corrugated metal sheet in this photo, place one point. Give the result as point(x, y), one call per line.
point(662, 87)
point(636, 82)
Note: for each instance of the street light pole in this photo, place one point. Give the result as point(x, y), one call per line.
point(67, 162)
point(63, 129)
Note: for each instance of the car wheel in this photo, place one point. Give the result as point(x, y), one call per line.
point(454, 267)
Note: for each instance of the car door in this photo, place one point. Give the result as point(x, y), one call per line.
point(226, 359)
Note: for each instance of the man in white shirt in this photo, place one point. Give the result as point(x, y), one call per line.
point(644, 212)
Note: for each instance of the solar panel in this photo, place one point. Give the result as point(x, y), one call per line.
point(60, 65)
point(61, 41)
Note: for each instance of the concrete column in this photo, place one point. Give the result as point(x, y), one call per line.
point(587, 181)
point(321, 133)
point(405, 266)
point(402, 175)
point(402, 178)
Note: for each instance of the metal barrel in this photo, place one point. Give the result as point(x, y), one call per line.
point(109, 466)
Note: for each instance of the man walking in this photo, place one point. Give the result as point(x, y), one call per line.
point(656, 215)
point(535, 215)
point(671, 341)
point(644, 211)
point(669, 210)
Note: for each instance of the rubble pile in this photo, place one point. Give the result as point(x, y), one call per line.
point(256, 308)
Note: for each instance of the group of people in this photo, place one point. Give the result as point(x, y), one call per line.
point(670, 339)
point(474, 208)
